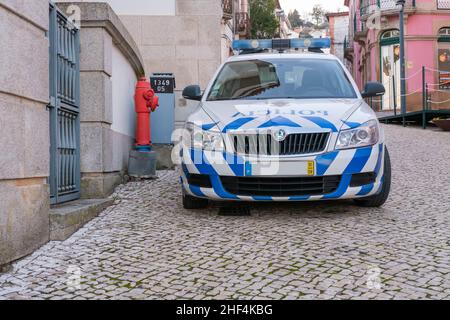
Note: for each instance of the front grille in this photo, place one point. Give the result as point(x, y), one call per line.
point(265, 144)
point(281, 187)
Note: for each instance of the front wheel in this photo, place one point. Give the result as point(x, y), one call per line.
point(379, 199)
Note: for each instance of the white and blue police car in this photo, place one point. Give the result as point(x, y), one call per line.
point(281, 121)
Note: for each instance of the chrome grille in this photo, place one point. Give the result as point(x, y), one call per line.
point(265, 144)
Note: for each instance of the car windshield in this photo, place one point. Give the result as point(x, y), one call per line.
point(282, 79)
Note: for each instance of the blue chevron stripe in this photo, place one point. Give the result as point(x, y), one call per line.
point(299, 198)
point(235, 163)
point(280, 122)
point(366, 189)
point(359, 160)
point(236, 124)
point(196, 191)
point(262, 198)
point(201, 163)
point(380, 159)
point(343, 186)
point(323, 123)
point(324, 161)
point(351, 125)
point(208, 126)
point(185, 170)
point(219, 190)
point(381, 186)
point(206, 168)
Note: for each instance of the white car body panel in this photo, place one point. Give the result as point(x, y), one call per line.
point(293, 116)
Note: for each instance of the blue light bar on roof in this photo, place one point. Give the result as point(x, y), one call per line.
point(306, 43)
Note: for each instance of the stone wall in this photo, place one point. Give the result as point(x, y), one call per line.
point(187, 44)
point(24, 127)
point(340, 32)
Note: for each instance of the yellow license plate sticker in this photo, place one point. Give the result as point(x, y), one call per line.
point(311, 168)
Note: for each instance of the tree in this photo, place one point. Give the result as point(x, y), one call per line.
point(294, 19)
point(264, 22)
point(318, 14)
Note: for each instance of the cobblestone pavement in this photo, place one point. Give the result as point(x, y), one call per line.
point(147, 246)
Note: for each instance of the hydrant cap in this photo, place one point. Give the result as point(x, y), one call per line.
point(143, 84)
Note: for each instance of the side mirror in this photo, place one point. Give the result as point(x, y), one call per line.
point(373, 89)
point(192, 93)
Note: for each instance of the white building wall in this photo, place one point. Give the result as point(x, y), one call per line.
point(340, 32)
point(187, 44)
point(139, 7)
point(123, 87)
point(226, 40)
point(176, 36)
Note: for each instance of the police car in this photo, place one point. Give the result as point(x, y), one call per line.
point(282, 121)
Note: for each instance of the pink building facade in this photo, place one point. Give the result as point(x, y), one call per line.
point(372, 49)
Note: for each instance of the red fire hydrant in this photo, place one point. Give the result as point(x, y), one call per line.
point(145, 102)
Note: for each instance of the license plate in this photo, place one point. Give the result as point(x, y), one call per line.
point(282, 168)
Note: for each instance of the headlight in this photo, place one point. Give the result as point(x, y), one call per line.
point(365, 135)
point(206, 140)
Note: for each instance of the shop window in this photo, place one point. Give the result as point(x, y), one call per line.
point(444, 32)
point(444, 58)
point(390, 68)
point(394, 33)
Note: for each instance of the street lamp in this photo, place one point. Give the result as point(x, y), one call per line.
point(401, 3)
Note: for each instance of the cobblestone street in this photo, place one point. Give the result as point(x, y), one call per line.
point(146, 246)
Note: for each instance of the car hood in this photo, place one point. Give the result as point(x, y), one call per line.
point(257, 114)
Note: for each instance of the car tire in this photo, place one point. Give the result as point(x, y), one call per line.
point(379, 199)
point(190, 202)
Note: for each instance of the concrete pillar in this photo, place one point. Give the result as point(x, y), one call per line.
point(96, 113)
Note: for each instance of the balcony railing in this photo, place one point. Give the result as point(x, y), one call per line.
point(369, 6)
point(243, 23)
point(443, 4)
point(227, 8)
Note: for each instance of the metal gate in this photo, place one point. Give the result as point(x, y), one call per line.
point(64, 108)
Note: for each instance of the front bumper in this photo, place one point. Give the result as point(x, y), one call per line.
point(344, 164)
